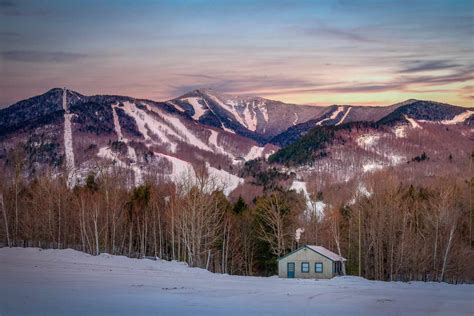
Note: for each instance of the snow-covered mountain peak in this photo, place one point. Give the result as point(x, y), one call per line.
point(226, 111)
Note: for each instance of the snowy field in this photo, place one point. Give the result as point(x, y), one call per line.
point(67, 282)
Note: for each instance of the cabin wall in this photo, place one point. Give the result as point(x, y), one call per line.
point(306, 255)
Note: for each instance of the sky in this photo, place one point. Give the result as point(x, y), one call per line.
point(304, 52)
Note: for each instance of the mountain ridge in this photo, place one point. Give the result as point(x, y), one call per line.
point(199, 129)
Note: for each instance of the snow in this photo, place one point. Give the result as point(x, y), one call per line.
point(311, 206)
point(213, 141)
point(250, 119)
point(68, 282)
point(344, 117)
point(132, 155)
point(400, 131)
point(243, 110)
point(263, 109)
point(118, 129)
point(296, 118)
point(413, 122)
point(65, 108)
point(227, 129)
point(180, 167)
point(333, 115)
point(227, 107)
point(362, 191)
point(372, 166)
point(460, 118)
point(144, 122)
point(199, 110)
point(336, 113)
point(254, 153)
point(107, 153)
point(68, 147)
point(177, 107)
point(186, 134)
point(170, 126)
point(217, 178)
point(367, 140)
point(224, 179)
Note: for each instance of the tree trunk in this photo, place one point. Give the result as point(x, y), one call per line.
point(5, 220)
point(448, 246)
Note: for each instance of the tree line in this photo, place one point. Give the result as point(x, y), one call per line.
point(389, 230)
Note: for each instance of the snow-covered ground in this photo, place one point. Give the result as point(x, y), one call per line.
point(68, 282)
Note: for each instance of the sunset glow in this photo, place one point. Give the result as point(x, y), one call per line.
point(305, 52)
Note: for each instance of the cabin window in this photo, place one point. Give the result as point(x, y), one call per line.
point(305, 267)
point(318, 267)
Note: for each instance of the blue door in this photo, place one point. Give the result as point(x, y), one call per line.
point(291, 270)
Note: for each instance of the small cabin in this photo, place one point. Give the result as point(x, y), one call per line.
point(311, 262)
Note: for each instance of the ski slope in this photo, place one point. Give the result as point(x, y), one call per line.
point(68, 145)
point(68, 282)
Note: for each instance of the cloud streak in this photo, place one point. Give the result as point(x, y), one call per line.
point(41, 57)
point(335, 33)
point(423, 66)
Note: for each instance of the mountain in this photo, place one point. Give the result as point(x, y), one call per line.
point(66, 133)
point(418, 139)
point(425, 111)
point(253, 117)
point(63, 129)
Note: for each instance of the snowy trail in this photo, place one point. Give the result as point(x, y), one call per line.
point(131, 153)
point(344, 117)
point(413, 122)
point(218, 148)
point(118, 129)
point(333, 116)
point(68, 147)
point(199, 109)
point(67, 282)
point(460, 118)
point(296, 118)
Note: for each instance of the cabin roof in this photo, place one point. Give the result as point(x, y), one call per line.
point(320, 250)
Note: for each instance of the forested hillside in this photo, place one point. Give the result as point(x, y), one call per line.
point(390, 230)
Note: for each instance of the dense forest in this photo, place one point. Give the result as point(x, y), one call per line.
point(398, 231)
point(312, 145)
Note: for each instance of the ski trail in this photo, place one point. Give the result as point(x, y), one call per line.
point(117, 128)
point(222, 124)
point(68, 148)
point(344, 117)
point(333, 116)
point(132, 155)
